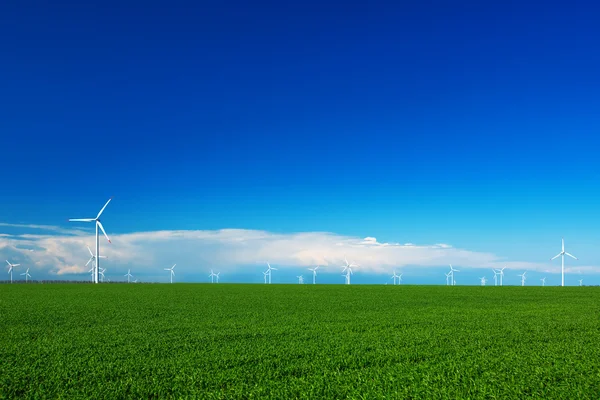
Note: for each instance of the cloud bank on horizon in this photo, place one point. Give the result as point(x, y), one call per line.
point(61, 252)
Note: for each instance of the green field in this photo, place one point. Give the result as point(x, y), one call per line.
point(298, 341)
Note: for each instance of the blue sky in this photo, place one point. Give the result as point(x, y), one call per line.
point(459, 123)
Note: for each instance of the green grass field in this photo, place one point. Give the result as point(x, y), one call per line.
point(298, 341)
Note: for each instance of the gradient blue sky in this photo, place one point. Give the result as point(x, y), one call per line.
point(471, 124)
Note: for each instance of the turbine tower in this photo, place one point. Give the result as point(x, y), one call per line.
point(562, 255)
point(394, 277)
point(98, 225)
point(172, 272)
point(128, 275)
point(348, 270)
point(314, 271)
point(26, 273)
point(522, 278)
point(10, 269)
point(269, 271)
point(452, 271)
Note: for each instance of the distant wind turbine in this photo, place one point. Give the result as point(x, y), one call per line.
point(522, 278)
point(300, 279)
point(266, 275)
point(269, 271)
point(562, 255)
point(348, 270)
point(98, 225)
point(495, 277)
point(394, 277)
point(580, 281)
point(448, 278)
point(10, 269)
point(212, 276)
point(101, 272)
point(400, 279)
point(314, 271)
point(483, 280)
point(92, 259)
point(172, 271)
point(501, 272)
point(452, 271)
point(26, 273)
point(128, 275)
point(543, 281)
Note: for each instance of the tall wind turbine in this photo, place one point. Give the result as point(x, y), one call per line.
point(92, 259)
point(482, 279)
point(269, 271)
point(26, 273)
point(452, 271)
point(172, 272)
point(348, 270)
point(448, 278)
point(543, 281)
point(580, 281)
point(394, 277)
point(495, 277)
point(101, 272)
point(400, 279)
point(217, 276)
point(314, 271)
point(10, 269)
point(212, 276)
point(98, 225)
point(522, 278)
point(265, 274)
point(562, 254)
point(128, 275)
point(300, 279)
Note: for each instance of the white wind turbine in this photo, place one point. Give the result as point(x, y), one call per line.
point(501, 272)
point(495, 277)
point(269, 271)
point(562, 254)
point(212, 276)
point(217, 276)
point(10, 269)
point(98, 225)
point(300, 279)
point(172, 272)
point(26, 273)
point(448, 278)
point(314, 271)
point(400, 279)
point(543, 281)
point(483, 280)
point(394, 277)
point(452, 271)
point(101, 272)
point(522, 278)
point(92, 258)
point(128, 275)
point(580, 281)
point(266, 275)
point(348, 270)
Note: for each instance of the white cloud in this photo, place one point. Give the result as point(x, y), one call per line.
point(239, 250)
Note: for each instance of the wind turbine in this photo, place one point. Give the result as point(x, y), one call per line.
point(314, 271)
point(495, 277)
point(92, 257)
point(92, 272)
point(269, 271)
point(448, 277)
point(10, 269)
point(348, 270)
point(482, 279)
point(562, 254)
point(522, 278)
point(135, 281)
point(128, 275)
point(26, 273)
point(98, 225)
point(580, 281)
point(543, 281)
point(400, 279)
point(300, 279)
point(101, 272)
point(452, 271)
point(501, 274)
point(394, 277)
point(212, 276)
point(172, 272)
point(265, 274)
point(217, 276)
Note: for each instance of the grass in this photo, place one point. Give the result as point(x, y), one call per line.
point(298, 341)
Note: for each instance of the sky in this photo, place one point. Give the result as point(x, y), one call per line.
point(232, 134)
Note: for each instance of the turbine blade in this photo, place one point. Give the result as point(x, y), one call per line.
point(558, 255)
point(103, 231)
point(81, 220)
point(91, 254)
point(101, 211)
point(8, 262)
point(571, 255)
point(89, 261)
